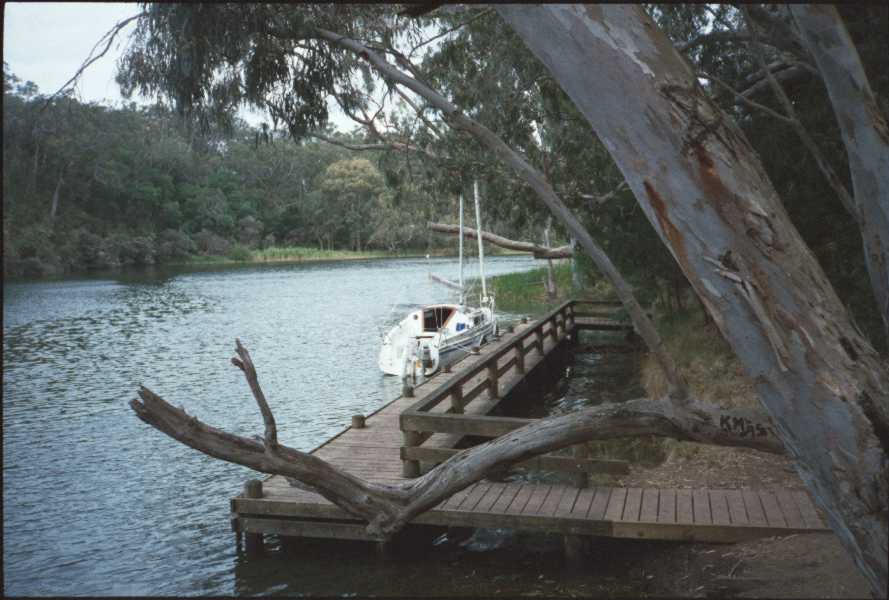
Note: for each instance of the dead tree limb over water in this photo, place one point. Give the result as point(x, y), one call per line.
point(388, 508)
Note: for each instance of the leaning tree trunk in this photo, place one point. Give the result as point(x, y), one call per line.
point(704, 190)
point(865, 134)
point(678, 388)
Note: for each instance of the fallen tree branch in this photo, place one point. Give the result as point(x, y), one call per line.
point(535, 249)
point(388, 508)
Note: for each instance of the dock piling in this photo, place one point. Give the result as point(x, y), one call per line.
point(253, 542)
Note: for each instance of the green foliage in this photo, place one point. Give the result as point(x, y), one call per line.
point(526, 293)
point(132, 190)
point(240, 253)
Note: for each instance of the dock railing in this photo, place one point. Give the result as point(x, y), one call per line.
point(495, 376)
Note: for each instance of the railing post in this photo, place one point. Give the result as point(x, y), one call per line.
point(520, 356)
point(581, 478)
point(538, 334)
point(493, 379)
point(410, 468)
point(570, 325)
point(457, 399)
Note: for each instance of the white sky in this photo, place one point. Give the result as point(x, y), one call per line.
point(46, 42)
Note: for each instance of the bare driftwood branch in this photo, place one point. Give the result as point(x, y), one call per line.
point(387, 508)
point(535, 249)
point(245, 363)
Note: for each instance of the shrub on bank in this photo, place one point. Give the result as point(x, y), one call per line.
point(240, 253)
point(174, 245)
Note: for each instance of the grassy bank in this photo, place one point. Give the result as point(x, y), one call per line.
point(712, 370)
point(286, 254)
point(526, 292)
point(239, 254)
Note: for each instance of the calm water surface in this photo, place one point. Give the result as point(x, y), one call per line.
point(95, 502)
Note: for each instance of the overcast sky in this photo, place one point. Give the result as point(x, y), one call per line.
point(46, 42)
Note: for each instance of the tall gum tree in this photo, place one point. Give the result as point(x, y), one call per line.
point(704, 190)
point(865, 135)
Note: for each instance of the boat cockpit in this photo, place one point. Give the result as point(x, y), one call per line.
point(435, 317)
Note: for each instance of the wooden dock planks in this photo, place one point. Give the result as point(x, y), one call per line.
point(374, 453)
point(618, 512)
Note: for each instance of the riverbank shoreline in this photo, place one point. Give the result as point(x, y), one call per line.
point(259, 257)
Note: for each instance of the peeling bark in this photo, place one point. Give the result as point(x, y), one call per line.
point(704, 190)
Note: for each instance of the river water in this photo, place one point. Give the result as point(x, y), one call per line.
point(97, 503)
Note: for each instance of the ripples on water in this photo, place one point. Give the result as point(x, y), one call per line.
point(95, 502)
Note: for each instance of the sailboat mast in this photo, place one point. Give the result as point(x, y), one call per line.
point(462, 300)
point(481, 251)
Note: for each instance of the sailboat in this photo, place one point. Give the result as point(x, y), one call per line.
point(436, 334)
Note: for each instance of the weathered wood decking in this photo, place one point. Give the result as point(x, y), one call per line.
point(424, 429)
point(704, 515)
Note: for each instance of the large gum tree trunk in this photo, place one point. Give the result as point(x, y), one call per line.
point(705, 192)
point(865, 135)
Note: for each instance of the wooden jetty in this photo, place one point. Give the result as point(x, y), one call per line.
point(424, 426)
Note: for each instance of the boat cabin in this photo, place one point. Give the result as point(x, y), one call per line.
point(435, 317)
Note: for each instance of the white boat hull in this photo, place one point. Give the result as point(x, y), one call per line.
point(461, 329)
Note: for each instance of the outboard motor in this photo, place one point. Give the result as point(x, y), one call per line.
point(427, 358)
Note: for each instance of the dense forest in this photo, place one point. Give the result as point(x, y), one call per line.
point(87, 186)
